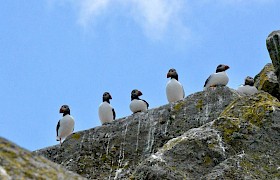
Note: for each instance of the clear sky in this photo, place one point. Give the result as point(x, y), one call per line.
point(56, 52)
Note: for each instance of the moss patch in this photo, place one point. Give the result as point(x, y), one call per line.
point(253, 109)
point(246, 115)
point(260, 166)
point(263, 76)
point(207, 160)
point(76, 136)
point(199, 104)
point(179, 106)
point(22, 164)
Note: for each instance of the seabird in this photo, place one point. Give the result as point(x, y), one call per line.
point(248, 88)
point(174, 89)
point(105, 111)
point(219, 78)
point(65, 125)
point(137, 104)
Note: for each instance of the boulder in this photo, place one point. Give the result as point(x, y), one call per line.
point(273, 47)
point(115, 150)
point(267, 81)
point(242, 143)
point(18, 163)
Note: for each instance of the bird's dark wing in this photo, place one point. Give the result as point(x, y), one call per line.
point(207, 80)
point(114, 114)
point(57, 127)
point(146, 103)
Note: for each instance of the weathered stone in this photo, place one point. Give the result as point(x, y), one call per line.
point(243, 143)
point(191, 155)
point(116, 149)
point(266, 80)
point(273, 47)
point(214, 134)
point(17, 163)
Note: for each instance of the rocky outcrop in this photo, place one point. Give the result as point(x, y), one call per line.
point(242, 143)
point(273, 47)
point(117, 149)
point(17, 163)
point(267, 81)
point(215, 134)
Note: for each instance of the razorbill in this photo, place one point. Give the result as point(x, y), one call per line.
point(105, 111)
point(174, 89)
point(219, 78)
point(65, 125)
point(137, 104)
point(248, 88)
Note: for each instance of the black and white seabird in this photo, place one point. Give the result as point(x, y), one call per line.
point(105, 111)
point(174, 89)
point(248, 88)
point(137, 104)
point(219, 78)
point(65, 125)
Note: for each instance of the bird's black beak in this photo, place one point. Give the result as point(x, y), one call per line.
point(168, 75)
point(139, 93)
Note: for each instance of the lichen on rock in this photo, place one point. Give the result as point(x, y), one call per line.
point(242, 143)
point(273, 47)
point(266, 81)
point(116, 149)
point(18, 163)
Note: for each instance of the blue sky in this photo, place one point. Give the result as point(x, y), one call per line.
point(56, 52)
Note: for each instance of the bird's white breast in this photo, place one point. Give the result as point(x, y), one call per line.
point(137, 106)
point(66, 126)
point(247, 90)
point(105, 112)
point(219, 78)
point(174, 90)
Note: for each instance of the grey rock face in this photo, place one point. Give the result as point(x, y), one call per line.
point(115, 150)
point(243, 143)
point(189, 156)
point(267, 81)
point(273, 47)
point(17, 163)
point(214, 134)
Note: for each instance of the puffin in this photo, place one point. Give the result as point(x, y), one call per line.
point(65, 125)
point(219, 78)
point(105, 111)
point(248, 88)
point(137, 104)
point(174, 89)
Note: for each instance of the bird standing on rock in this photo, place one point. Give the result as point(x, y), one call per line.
point(174, 89)
point(248, 88)
point(105, 111)
point(219, 78)
point(65, 125)
point(137, 104)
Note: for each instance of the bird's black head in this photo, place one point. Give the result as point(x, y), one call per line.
point(172, 73)
point(65, 110)
point(221, 68)
point(135, 94)
point(106, 97)
point(249, 81)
